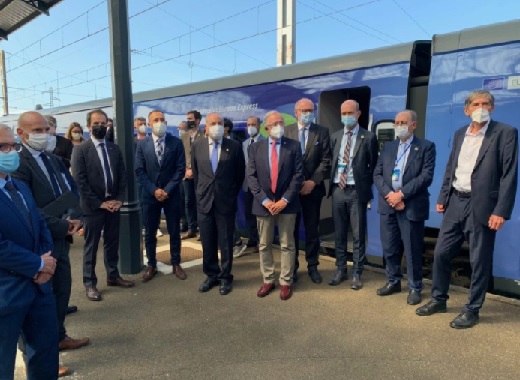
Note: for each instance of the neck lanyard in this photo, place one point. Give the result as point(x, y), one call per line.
point(402, 154)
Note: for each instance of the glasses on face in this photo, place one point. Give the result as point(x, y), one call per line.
point(251, 125)
point(8, 147)
point(80, 132)
point(306, 110)
point(401, 123)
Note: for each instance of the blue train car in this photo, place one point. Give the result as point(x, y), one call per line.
point(431, 77)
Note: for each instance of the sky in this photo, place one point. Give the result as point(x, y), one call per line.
point(65, 58)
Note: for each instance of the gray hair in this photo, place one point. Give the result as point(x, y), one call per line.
point(352, 100)
point(412, 113)
point(479, 94)
point(270, 113)
point(297, 104)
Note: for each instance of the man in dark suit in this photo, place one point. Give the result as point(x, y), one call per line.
point(315, 146)
point(48, 183)
point(160, 167)
point(218, 172)
point(27, 305)
point(99, 171)
point(59, 145)
point(477, 197)
point(274, 175)
point(193, 134)
point(403, 173)
point(354, 158)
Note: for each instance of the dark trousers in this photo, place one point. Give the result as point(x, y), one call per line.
point(348, 211)
point(250, 218)
point(152, 212)
point(184, 221)
point(394, 229)
point(61, 282)
point(216, 231)
point(108, 222)
point(36, 320)
point(190, 203)
point(459, 223)
point(310, 210)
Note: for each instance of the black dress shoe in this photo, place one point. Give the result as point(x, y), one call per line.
point(208, 284)
point(315, 276)
point(414, 297)
point(72, 309)
point(356, 283)
point(225, 288)
point(464, 320)
point(389, 289)
point(338, 278)
point(431, 308)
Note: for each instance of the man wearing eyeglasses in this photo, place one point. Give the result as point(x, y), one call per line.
point(315, 147)
point(403, 173)
point(27, 304)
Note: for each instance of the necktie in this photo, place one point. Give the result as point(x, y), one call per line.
point(252, 141)
point(106, 165)
point(346, 161)
point(52, 176)
point(214, 157)
point(18, 201)
point(160, 150)
point(274, 168)
point(302, 140)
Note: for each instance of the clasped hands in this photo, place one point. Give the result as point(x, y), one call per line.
point(275, 207)
point(111, 206)
point(395, 200)
point(74, 226)
point(160, 195)
point(49, 266)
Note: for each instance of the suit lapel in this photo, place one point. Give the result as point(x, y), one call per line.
point(224, 154)
point(150, 146)
point(37, 169)
point(10, 204)
point(281, 157)
point(311, 139)
point(486, 143)
point(206, 158)
point(95, 158)
point(360, 137)
point(414, 150)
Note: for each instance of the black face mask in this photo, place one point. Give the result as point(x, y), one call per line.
point(190, 123)
point(99, 131)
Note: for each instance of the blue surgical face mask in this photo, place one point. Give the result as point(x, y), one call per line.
point(307, 118)
point(348, 121)
point(9, 162)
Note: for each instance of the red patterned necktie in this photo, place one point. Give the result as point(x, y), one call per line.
point(346, 161)
point(274, 167)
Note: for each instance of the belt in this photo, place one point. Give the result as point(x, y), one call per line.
point(346, 186)
point(462, 194)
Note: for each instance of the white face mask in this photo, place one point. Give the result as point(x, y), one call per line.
point(480, 115)
point(76, 136)
point(142, 129)
point(276, 132)
point(38, 141)
point(52, 144)
point(252, 131)
point(216, 131)
point(159, 129)
point(401, 131)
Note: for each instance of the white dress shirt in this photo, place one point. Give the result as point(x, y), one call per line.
point(211, 146)
point(100, 155)
point(350, 172)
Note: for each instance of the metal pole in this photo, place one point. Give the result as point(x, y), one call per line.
point(286, 35)
point(130, 249)
point(3, 79)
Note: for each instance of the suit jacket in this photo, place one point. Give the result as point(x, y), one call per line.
point(87, 171)
point(217, 190)
point(245, 149)
point(30, 172)
point(290, 176)
point(21, 246)
point(167, 175)
point(495, 176)
point(417, 177)
point(187, 144)
point(316, 159)
point(363, 163)
point(63, 150)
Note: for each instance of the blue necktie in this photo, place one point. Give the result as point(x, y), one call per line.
point(18, 202)
point(302, 140)
point(214, 157)
point(110, 184)
point(160, 150)
point(52, 176)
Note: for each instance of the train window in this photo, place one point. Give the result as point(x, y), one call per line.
point(384, 130)
point(330, 103)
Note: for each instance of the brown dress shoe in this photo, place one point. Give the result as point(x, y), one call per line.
point(149, 273)
point(265, 289)
point(63, 371)
point(179, 272)
point(285, 292)
point(93, 294)
point(69, 343)
point(120, 282)
point(188, 235)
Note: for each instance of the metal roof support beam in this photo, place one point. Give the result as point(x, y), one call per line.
point(40, 6)
point(286, 34)
point(3, 34)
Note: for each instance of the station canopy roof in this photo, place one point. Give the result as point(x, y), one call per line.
point(16, 13)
